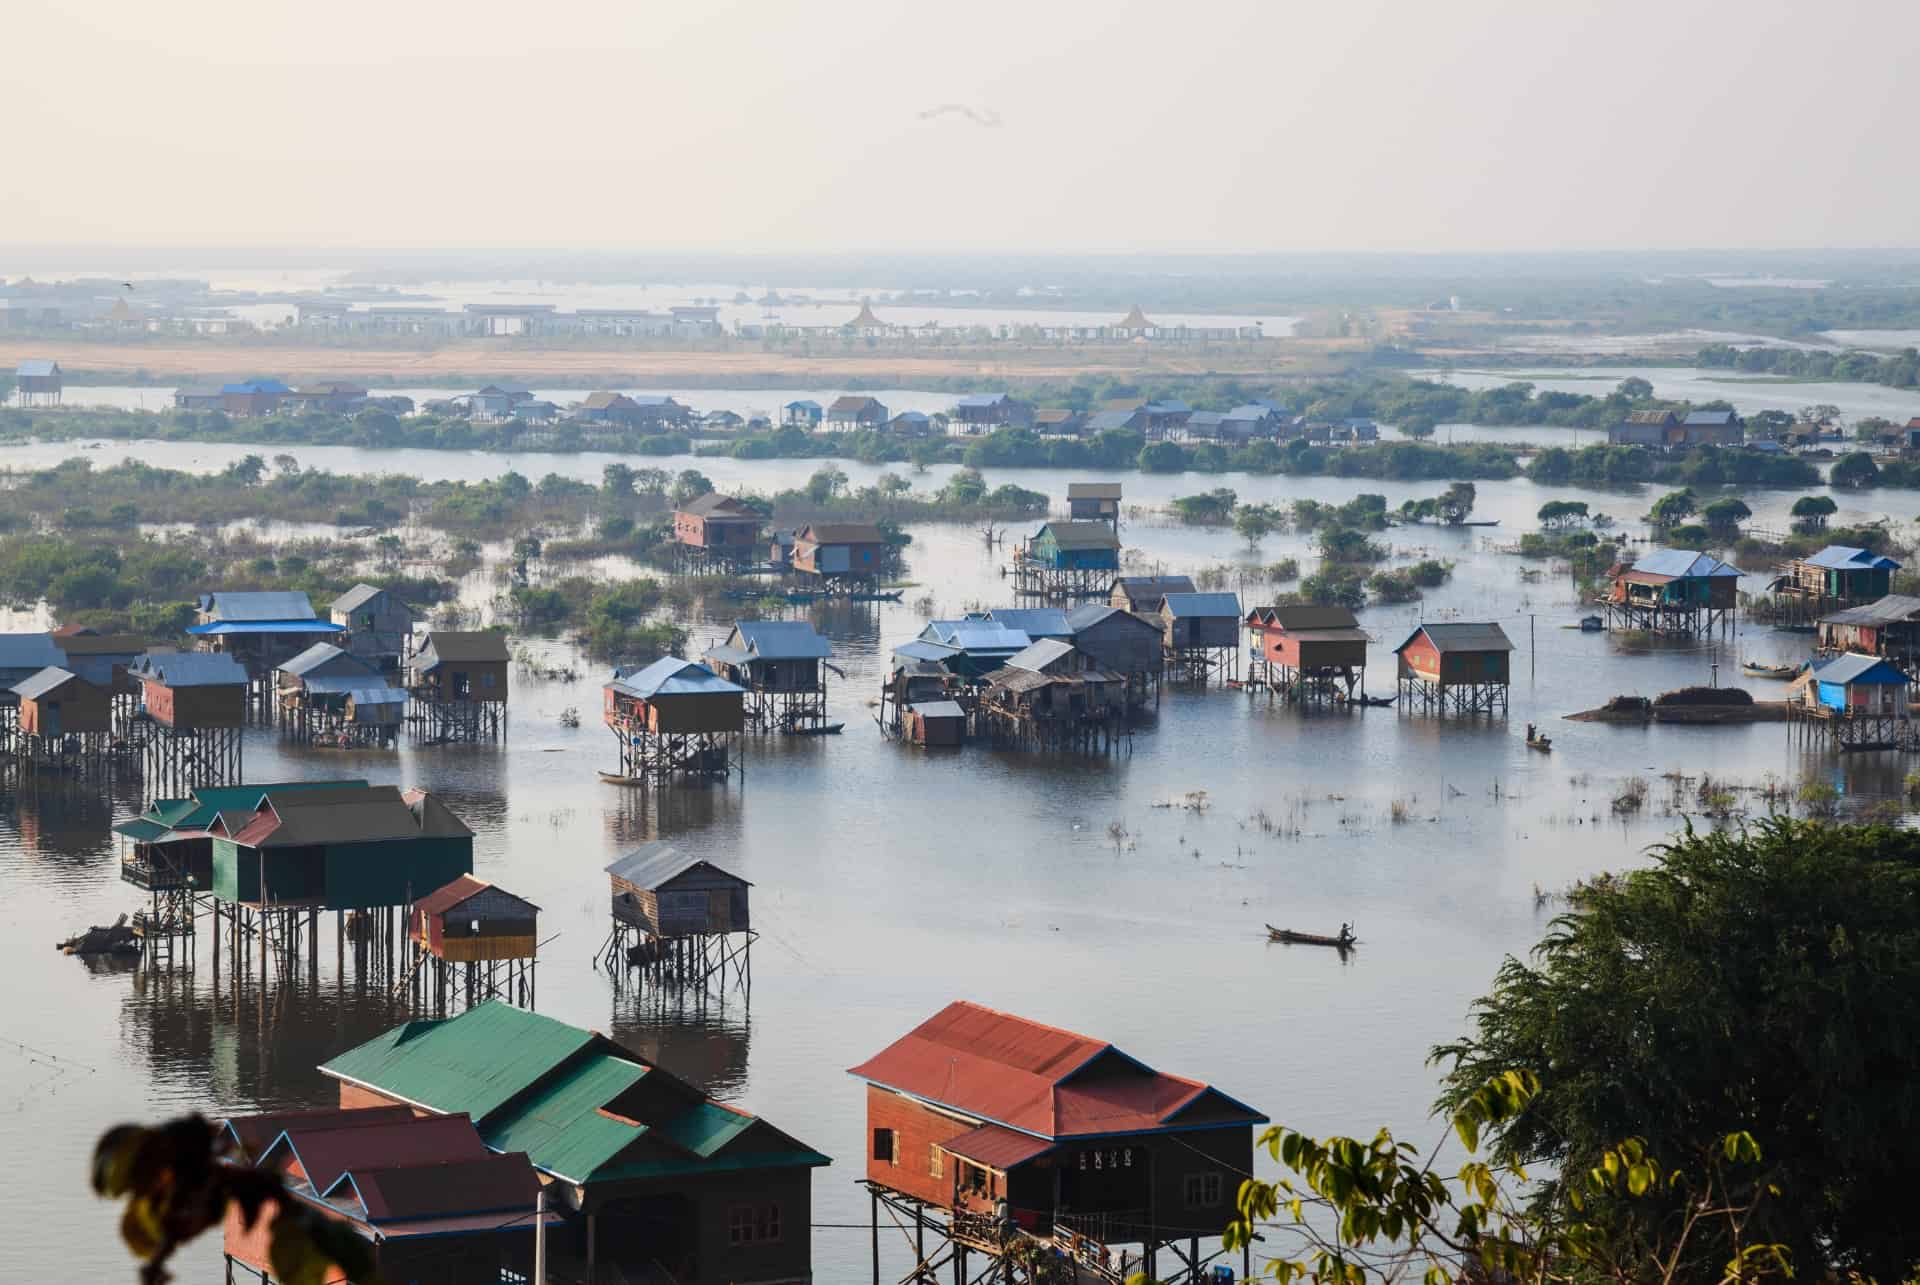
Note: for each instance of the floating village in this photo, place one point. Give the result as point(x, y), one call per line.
point(481, 1140)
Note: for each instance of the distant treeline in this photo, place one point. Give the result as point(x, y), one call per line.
point(1898, 370)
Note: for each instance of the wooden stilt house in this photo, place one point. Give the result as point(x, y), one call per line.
point(1455, 668)
point(1307, 653)
point(1888, 628)
point(782, 665)
point(331, 697)
point(673, 718)
point(190, 712)
point(1674, 591)
point(1837, 577)
point(457, 682)
point(475, 942)
point(1122, 642)
point(1201, 635)
point(718, 526)
point(378, 625)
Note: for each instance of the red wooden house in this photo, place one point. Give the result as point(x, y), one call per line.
point(718, 524)
point(975, 1109)
point(1311, 646)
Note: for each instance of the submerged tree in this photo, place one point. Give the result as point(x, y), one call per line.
point(1810, 512)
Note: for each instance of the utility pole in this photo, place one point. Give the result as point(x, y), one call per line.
point(1533, 662)
point(540, 1236)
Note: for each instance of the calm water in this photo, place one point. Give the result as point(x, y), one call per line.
point(888, 881)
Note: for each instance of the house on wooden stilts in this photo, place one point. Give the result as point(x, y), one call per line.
point(473, 942)
point(1888, 628)
point(457, 687)
point(1455, 668)
point(655, 1180)
point(331, 697)
point(379, 626)
point(1852, 703)
point(1201, 636)
point(1052, 696)
point(1130, 645)
point(1144, 595)
point(1067, 561)
point(783, 665)
point(64, 726)
point(679, 922)
point(192, 709)
point(1307, 654)
point(1834, 579)
point(716, 532)
point(1674, 591)
point(994, 1140)
point(261, 630)
point(674, 720)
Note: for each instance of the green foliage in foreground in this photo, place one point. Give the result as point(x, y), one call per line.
point(1764, 979)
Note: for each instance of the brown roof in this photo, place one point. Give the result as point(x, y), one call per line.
point(851, 404)
point(842, 533)
point(609, 401)
point(447, 896)
point(257, 1132)
point(1093, 490)
point(478, 645)
point(1662, 417)
point(486, 1184)
point(714, 504)
point(1295, 619)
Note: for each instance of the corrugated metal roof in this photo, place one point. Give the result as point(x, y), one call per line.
point(1841, 557)
point(1461, 637)
point(921, 649)
point(982, 400)
point(1854, 668)
point(1089, 614)
point(178, 669)
point(489, 1184)
point(1180, 605)
point(253, 605)
point(560, 1125)
point(1080, 535)
point(357, 597)
point(714, 504)
point(938, 709)
point(29, 652)
point(1007, 1070)
point(841, 533)
point(670, 676)
point(975, 636)
point(1710, 418)
point(1037, 657)
point(1889, 610)
point(1297, 619)
point(782, 639)
point(321, 656)
point(652, 864)
point(478, 646)
point(1681, 564)
point(377, 695)
point(1150, 591)
point(327, 1152)
point(705, 1127)
point(475, 1062)
point(255, 1133)
point(40, 684)
point(1034, 622)
point(997, 1147)
point(1093, 490)
point(222, 628)
point(1110, 420)
point(35, 368)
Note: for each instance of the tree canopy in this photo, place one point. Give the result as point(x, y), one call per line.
point(1765, 979)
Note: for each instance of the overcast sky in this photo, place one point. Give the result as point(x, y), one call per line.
point(1176, 125)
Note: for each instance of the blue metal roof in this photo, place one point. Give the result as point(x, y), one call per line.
point(35, 367)
point(346, 684)
point(1841, 557)
point(319, 654)
point(43, 682)
point(1683, 563)
point(1853, 668)
point(1203, 604)
point(256, 386)
point(1039, 655)
point(671, 676)
point(191, 669)
point(802, 404)
point(982, 400)
point(1088, 613)
point(29, 651)
point(783, 639)
point(1035, 622)
point(270, 604)
point(222, 627)
point(975, 635)
point(1252, 410)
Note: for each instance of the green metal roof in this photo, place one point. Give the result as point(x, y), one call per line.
point(474, 1062)
point(141, 830)
point(792, 1158)
point(705, 1128)
point(209, 801)
point(560, 1126)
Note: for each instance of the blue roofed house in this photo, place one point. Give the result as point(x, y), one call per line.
point(1837, 576)
point(802, 414)
point(910, 423)
point(1203, 621)
point(777, 659)
point(24, 655)
point(984, 412)
point(969, 649)
point(1675, 579)
point(259, 628)
point(253, 396)
point(1252, 420)
point(1035, 622)
point(1853, 686)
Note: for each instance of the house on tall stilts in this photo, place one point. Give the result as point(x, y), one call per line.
point(678, 921)
point(782, 665)
point(674, 720)
point(1307, 654)
point(993, 1138)
point(1888, 628)
point(1834, 579)
point(1674, 591)
point(261, 630)
point(1850, 703)
point(1455, 668)
point(330, 697)
point(192, 708)
point(457, 686)
point(1201, 636)
point(1067, 561)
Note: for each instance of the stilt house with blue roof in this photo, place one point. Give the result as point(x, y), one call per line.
point(1853, 702)
point(1674, 591)
point(1837, 577)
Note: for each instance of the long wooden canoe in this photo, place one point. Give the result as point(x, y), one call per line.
point(1310, 939)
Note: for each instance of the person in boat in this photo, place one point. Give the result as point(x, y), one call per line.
point(1530, 732)
point(1346, 934)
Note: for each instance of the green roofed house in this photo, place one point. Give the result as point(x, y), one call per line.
point(651, 1171)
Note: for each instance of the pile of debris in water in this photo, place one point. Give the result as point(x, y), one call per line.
point(1687, 705)
point(114, 939)
point(1705, 696)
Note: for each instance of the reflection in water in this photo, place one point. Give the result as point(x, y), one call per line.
point(705, 1044)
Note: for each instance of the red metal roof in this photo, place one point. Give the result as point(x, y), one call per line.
point(255, 1133)
point(325, 1153)
point(492, 1183)
point(997, 1148)
point(450, 895)
point(1038, 1079)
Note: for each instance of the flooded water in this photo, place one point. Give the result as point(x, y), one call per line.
point(888, 880)
point(1747, 392)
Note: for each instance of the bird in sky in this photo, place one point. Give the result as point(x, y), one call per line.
point(127, 284)
point(986, 118)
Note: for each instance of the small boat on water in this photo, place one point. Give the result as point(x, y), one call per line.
point(1370, 702)
point(1535, 741)
point(825, 729)
point(1754, 669)
point(880, 595)
point(1345, 941)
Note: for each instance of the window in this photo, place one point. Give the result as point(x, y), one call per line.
point(753, 1225)
point(486, 680)
point(1202, 1190)
point(935, 1165)
point(884, 1144)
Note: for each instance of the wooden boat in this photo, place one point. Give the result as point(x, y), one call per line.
point(614, 778)
point(825, 729)
point(1344, 942)
point(1371, 702)
point(1542, 743)
point(1754, 669)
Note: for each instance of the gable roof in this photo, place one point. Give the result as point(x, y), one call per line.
point(714, 504)
point(974, 635)
point(1856, 668)
point(357, 597)
point(256, 605)
point(609, 401)
point(1089, 614)
point(1036, 657)
point(178, 669)
point(802, 404)
point(1841, 557)
point(325, 656)
point(347, 813)
point(488, 1184)
point(853, 405)
point(1093, 490)
point(670, 676)
point(1150, 588)
point(36, 368)
point(479, 646)
point(841, 533)
point(1035, 622)
point(1020, 1074)
point(1105, 420)
point(652, 864)
point(1080, 535)
point(199, 810)
point(1889, 610)
point(1180, 605)
point(43, 683)
point(255, 1133)
point(1303, 618)
point(1450, 637)
point(781, 640)
point(327, 1152)
point(1681, 564)
point(983, 401)
point(1710, 419)
point(463, 889)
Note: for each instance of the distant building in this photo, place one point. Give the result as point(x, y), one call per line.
point(718, 524)
point(1094, 502)
point(37, 382)
point(253, 397)
point(1059, 423)
point(851, 412)
point(203, 398)
point(910, 423)
point(802, 414)
point(984, 412)
point(1666, 430)
point(378, 624)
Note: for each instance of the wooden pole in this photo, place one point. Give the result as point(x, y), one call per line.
point(874, 1198)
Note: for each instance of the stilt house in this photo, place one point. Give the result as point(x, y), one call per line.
point(650, 1173)
point(471, 920)
point(379, 626)
point(778, 657)
point(1094, 502)
point(668, 892)
point(102, 659)
point(190, 691)
point(985, 1115)
point(841, 550)
point(58, 702)
point(171, 843)
point(260, 629)
point(461, 666)
point(1075, 546)
point(1837, 576)
point(38, 382)
point(1117, 640)
point(1673, 591)
point(1200, 620)
point(21, 657)
point(1145, 594)
point(673, 718)
point(1306, 650)
point(1035, 622)
point(1888, 628)
point(969, 649)
point(326, 692)
point(718, 524)
point(1457, 667)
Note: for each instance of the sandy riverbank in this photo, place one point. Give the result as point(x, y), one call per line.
point(173, 361)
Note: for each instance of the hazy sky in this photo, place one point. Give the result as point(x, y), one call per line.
point(1181, 124)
